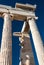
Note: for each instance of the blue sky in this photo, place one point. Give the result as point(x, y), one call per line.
point(17, 26)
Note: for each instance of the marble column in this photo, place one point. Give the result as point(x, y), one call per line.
point(37, 41)
point(26, 53)
point(25, 27)
point(6, 43)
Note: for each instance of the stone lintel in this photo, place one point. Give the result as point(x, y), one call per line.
point(18, 13)
point(26, 6)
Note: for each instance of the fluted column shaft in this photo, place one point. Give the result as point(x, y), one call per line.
point(37, 41)
point(6, 44)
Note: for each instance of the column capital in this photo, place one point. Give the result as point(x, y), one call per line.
point(8, 15)
point(5, 14)
point(30, 18)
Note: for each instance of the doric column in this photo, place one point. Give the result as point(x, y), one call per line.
point(37, 41)
point(6, 44)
